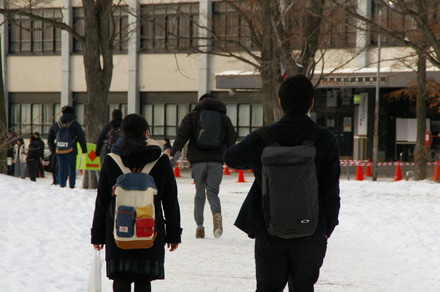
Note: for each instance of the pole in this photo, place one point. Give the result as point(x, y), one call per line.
point(376, 105)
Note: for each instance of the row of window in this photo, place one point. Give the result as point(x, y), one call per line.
point(164, 119)
point(175, 28)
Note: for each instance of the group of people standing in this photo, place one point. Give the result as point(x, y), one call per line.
point(25, 161)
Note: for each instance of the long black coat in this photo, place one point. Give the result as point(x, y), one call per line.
point(32, 159)
point(188, 131)
point(166, 200)
point(289, 131)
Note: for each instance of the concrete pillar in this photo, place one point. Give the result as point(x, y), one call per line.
point(363, 37)
point(66, 48)
point(205, 19)
point(4, 48)
point(133, 102)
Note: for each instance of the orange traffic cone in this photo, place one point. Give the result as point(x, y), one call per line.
point(176, 170)
point(436, 176)
point(226, 170)
point(359, 175)
point(241, 176)
point(398, 173)
point(368, 169)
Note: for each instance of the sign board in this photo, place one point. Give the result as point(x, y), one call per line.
point(362, 122)
point(406, 130)
point(89, 160)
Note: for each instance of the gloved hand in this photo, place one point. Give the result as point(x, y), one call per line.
point(173, 160)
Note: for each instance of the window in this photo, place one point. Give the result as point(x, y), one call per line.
point(27, 118)
point(245, 117)
point(120, 20)
point(123, 107)
point(31, 36)
point(169, 27)
point(230, 30)
point(164, 119)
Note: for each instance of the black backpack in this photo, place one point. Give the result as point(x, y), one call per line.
point(209, 130)
point(290, 186)
point(113, 134)
point(64, 139)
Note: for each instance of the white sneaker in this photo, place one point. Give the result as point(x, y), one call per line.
point(218, 227)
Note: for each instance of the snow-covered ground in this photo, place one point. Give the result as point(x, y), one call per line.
point(388, 240)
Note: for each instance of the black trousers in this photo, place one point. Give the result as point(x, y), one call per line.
point(293, 261)
point(122, 283)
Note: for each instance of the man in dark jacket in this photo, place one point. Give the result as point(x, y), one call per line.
point(104, 143)
point(294, 261)
point(40, 172)
point(206, 164)
point(67, 162)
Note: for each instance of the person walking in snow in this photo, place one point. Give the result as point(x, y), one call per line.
point(33, 158)
point(206, 162)
point(140, 266)
point(67, 161)
point(20, 158)
point(294, 261)
point(106, 139)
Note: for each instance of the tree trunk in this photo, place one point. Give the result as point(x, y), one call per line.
point(311, 34)
point(270, 67)
point(421, 151)
point(3, 123)
point(98, 65)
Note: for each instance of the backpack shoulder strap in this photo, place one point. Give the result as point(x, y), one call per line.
point(118, 160)
point(313, 136)
point(265, 136)
point(61, 125)
point(149, 166)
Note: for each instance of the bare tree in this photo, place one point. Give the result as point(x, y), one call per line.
point(413, 25)
point(98, 47)
point(282, 36)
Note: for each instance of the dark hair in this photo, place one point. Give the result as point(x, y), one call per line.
point(133, 128)
point(37, 134)
point(206, 95)
point(67, 109)
point(117, 114)
point(296, 95)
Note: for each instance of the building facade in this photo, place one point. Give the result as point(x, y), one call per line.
point(159, 77)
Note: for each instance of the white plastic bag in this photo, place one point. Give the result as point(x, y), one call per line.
point(95, 282)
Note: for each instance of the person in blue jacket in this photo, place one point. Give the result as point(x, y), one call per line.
point(67, 162)
point(297, 261)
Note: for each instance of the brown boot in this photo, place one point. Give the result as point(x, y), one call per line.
point(218, 227)
point(200, 233)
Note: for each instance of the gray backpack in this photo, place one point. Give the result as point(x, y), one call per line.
point(290, 186)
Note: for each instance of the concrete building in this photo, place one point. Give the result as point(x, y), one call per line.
point(155, 75)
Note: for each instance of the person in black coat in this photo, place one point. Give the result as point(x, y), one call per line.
point(206, 164)
point(140, 266)
point(40, 172)
point(294, 261)
point(67, 162)
point(33, 158)
point(102, 145)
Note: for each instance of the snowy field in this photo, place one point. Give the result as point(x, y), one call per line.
point(388, 240)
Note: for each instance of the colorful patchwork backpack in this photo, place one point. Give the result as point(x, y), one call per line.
point(134, 223)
